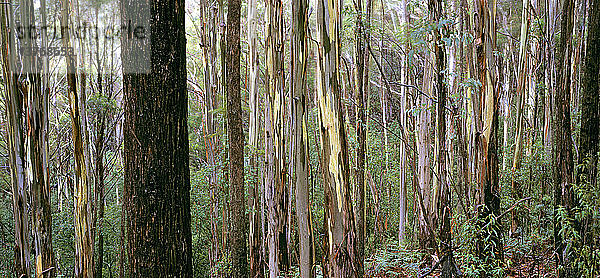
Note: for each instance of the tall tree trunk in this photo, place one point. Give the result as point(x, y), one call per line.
point(444, 198)
point(522, 92)
point(100, 126)
point(100, 197)
point(460, 122)
point(236, 143)
point(122, 241)
point(156, 147)
point(403, 148)
point(361, 115)
point(83, 190)
point(209, 15)
point(550, 76)
point(300, 52)
point(489, 241)
point(562, 155)
point(341, 248)
point(276, 188)
point(225, 209)
point(423, 142)
point(590, 113)
point(14, 103)
point(255, 254)
point(34, 89)
point(365, 104)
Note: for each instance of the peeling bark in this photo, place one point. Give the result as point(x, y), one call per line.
point(341, 248)
point(300, 52)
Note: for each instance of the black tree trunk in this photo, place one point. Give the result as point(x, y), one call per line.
point(156, 148)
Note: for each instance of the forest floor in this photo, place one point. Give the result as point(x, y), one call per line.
point(408, 263)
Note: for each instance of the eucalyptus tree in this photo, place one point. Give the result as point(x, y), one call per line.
point(84, 244)
point(299, 98)
point(236, 143)
point(254, 191)
point(590, 115)
point(156, 147)
point(14, 104)
point(521, 91)
point(276, 192)
point(342, 245)
point(209, 16)
point(485, 115)
point(562, 152)
point(444, 198)
point(300, 53)
point(33, 87)
point(360, 96)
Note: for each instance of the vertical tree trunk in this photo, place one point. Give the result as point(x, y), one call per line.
point(157, 177)
point(460, 122)
point(403, 148)
point(100, 126)
point(300, 52)
point(444, 198)
point(423, 142)
point(16, 147)
point(100, 187)
point(341, 249)
point(225, 209)
point(522, 92)
point(489, 241)
point(83, 191)
point(34, 90)
point(254, 135)
point(122, 242)
point(209, 15)
point(365, 105)
point(236, 143)
point(562, 154)
point(505, 103)
point(276, 188)
point(550, 76)
point(361, 115)
point(590, 113)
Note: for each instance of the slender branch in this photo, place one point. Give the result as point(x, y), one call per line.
point(512, 207)
point(47, 270)
point(505, 212)
point(435, 266)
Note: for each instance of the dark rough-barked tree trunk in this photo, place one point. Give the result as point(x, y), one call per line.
point(236, 143)
point(590, 112)
point(562, 153)
point(156, 148)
